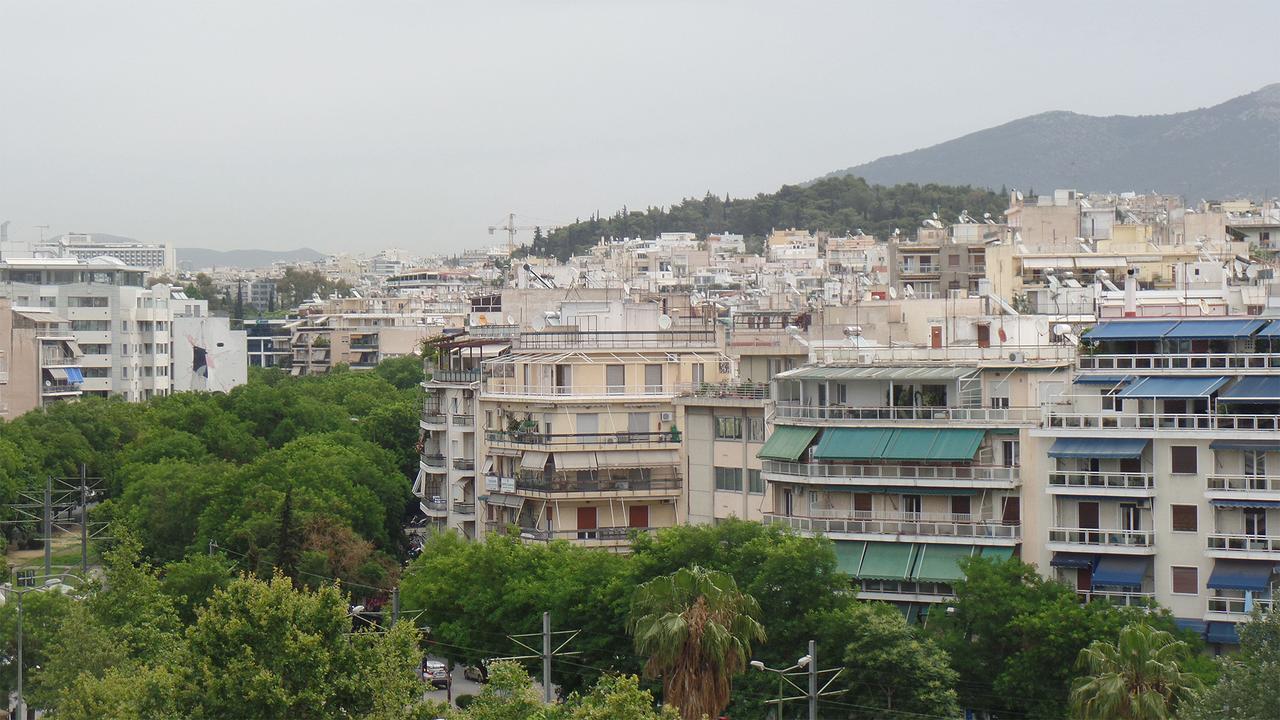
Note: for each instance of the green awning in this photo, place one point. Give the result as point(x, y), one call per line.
point(997, 553)
point(787, 443)
point(887, 561)
point(941, 563)
point(849, 556)
point(898, 444)
point(852, 443)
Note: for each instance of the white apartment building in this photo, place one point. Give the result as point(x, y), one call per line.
point(159, 259)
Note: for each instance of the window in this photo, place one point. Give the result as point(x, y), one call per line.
point(1255, 464)
point(911, 504)
point(1110, 400)
point(728, 428)
point(638, 516)
point(755, 483)
point(699, 374)
point(124, 349)
point(999, 403)
point(960, 505)
point(588, 426)
point(1185, 580)
point(615, 378)
point(1184, 459)
point(91, 325)
point(1130, 517)
point(729, 479)
point(587, 523)
point(488, 419)
point(638, 423)
point(86, 302)
point(755, 429)
point(1255, 521)
point(953, 261)
point(653, 378)
point(1184, 518)
point(862, 504)
point(1010, 453)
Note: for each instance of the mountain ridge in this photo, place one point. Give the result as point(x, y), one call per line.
point(202, 258)
point(1220, 151)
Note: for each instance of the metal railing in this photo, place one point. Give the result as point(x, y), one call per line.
point(464, 508)
point(1240, 542)
point(1118, 597)
point(1102, 479)
point(603, 484)
point(960, 474)
point(456, 376)
point(738, 391)
point(899, 524)
point(1159, 421)
point(519, 437)
point(433, 460)
point(1095, 536)
point(435, 417)
point(464, 420)
point(1243, 483)
point(1237, 605)
point(59, 389)
point(1018, 415)
point(1179, 361)
point(496, 387)
point(904, 587)
point(592, 339)
point(600, 535)
point(918, 269)
point(464, 464)
point(436, 504)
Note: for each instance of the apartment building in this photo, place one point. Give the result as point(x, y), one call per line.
point(580, 435)
point(909, 459)
point(940, 262)
point(39, 360)
point(1158, 476)
point(158, 259)
point(269, 343)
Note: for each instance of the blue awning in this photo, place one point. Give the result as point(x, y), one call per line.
point(1131, 330)
point(1271, 331)
point(1270, 504)
point(75, 376)
point(1226, 329)
point(1241, 575)
point(1100, 379)
point(1120, 571)
point(1073, 560)
point(1262, 445)
point(1255, 388)
point(1223, 632)
point(1196, 626)
point(1173, 387)
point(1102, 448)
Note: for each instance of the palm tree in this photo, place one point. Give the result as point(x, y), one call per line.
point(696, 629)
point(1136, 678)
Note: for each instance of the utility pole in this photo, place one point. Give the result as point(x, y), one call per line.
point(60, 496)
point(395, 605)
point(546, 653)
point(807, 665)
point(84, 521)
point(813, 680)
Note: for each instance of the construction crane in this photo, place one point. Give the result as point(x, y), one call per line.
point(511, 228)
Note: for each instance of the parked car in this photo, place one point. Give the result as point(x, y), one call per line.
point(435, 672)
point(477, 673)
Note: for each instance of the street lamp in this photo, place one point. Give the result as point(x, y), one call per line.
point(782, 676)
point(52, 582)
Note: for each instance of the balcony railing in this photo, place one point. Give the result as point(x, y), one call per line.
point(592, 339)
point(1017, 415)
point(1117, 597)
point(604, 484)
point(939, 524)
point(737, 391)
point(961, 475)
point(464, 464)
point(633, 439)
point(1236, 606)
point(1243, 483)
point(1098, 537)
point(1160, 421)
point(572, 391)
point(596, 536)
point(433, 460)
point(1240, 542)
point(464, 420)
point(59, 389)
point(868, 587)
point(436, 504)
point(464, 508)
point(457, 376)
point(1102, 480)
point(1179, 361)
point(918, 269)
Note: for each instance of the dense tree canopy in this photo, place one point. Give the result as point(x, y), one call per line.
point(838, 205)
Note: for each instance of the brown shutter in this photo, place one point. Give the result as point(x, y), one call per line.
point(1012, 512)
point(586, 518)
point(1184, 518)
point(1185, 580)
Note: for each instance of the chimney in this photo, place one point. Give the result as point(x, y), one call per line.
point(1131, 293)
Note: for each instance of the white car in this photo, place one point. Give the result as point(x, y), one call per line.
point(435, 672)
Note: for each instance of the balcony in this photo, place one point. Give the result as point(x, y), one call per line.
point(435, 506)
point(456, 376)
point(1117, 597)
point(937, 527)
point(1243, 546)
point(906, 476)
point(521, 439)
point(733, 391)
point(1181, 363)
point(919, 269)
point(1099, 540)
point(433, 462)
point(569, 485)
point(464, 464)
point(432, 421)
point(464, 421)
point(464, 508)
point(60, 389)
point(605, 537)
point(903, 590)
point(1236, 606)
point(1109, 420)
point(1102, 483)
point(967, 415)
point(1243, 487)
point(593, 339)
point(497, 388)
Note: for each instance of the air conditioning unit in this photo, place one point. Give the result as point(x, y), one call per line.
point(1017, 357)
point(667, 416)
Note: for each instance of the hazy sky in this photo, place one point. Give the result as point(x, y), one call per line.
point(363, 124)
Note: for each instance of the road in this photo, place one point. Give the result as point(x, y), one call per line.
point(461, 685)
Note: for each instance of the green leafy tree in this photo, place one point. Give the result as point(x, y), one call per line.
point(509, 695)
point(1136, 678)
point(696, 629)
point(1246, 689)
point(614, 697)
point(191, 582)
point(122, 693)
point(404, 373)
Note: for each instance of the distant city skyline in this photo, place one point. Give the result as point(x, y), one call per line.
point(418, 125)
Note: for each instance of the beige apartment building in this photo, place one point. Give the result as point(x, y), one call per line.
point(39, 360)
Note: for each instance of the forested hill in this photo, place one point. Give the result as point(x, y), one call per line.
point(837, 205)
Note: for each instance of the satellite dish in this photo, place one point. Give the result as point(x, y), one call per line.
point(1251, 272)
point(539, 323)
point(893, 293)
point(934, 216)
point(664, 322)
point(909, 291)
point(511, 319)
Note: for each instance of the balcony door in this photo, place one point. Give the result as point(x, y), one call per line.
point(653, 378)
point(615, 378)
point(1087, 519)
point(1255, 469)
point(1255, 522)
point(586, 523)
point(638, 516)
